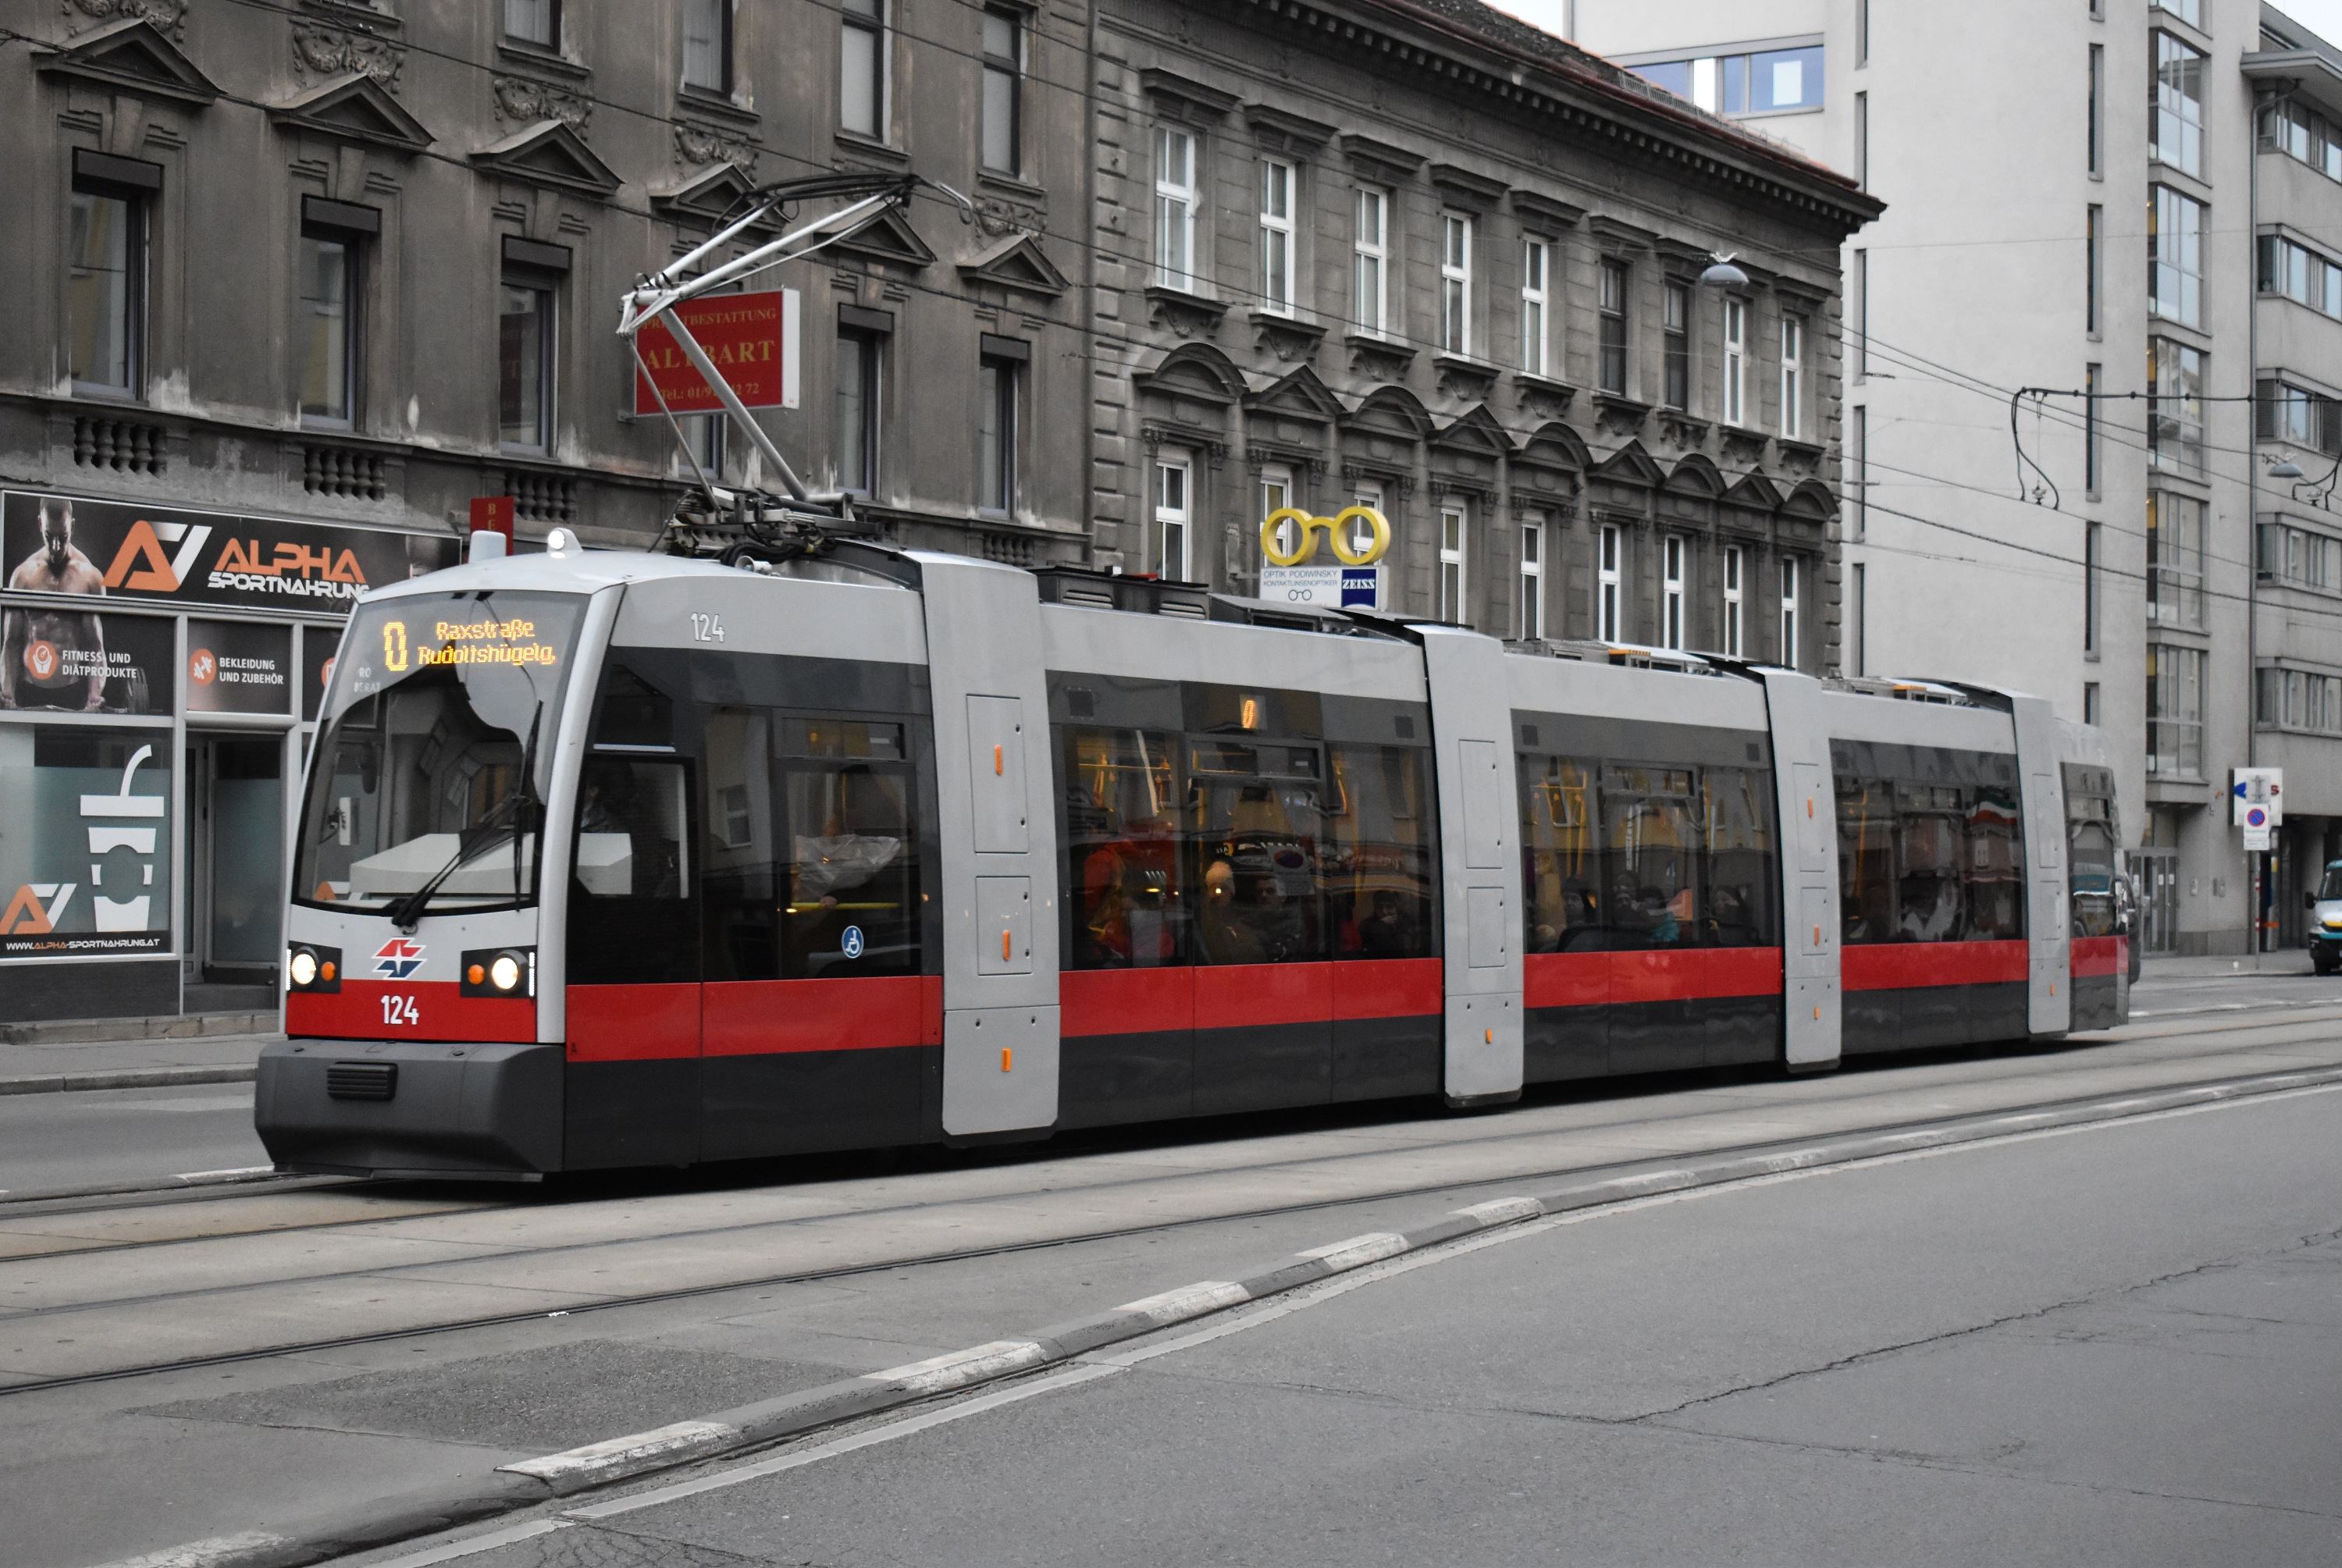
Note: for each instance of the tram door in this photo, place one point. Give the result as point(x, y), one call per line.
point(235, 860)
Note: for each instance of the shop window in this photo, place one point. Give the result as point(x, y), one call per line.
point(86, 865)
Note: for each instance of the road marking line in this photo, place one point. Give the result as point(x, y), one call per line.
point(233, 1171)
point(1501, 1210)
point(1187, 1301)
point(203, 1554)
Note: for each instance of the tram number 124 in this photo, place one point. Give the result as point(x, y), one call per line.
point(707, 628)
point(401, 1009)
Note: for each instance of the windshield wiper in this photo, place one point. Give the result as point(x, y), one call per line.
point(473, 842)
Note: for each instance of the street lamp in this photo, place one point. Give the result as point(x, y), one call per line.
point(1722, 273)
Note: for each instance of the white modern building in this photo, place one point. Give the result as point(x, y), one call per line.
point(2055, 476)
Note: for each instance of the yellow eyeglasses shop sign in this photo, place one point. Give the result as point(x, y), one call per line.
point(1360, 537)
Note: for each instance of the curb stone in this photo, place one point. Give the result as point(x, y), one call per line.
point(525, 1483)
point(124, 1078)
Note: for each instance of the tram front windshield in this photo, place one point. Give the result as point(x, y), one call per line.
point(436, 752)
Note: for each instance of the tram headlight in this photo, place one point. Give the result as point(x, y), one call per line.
point(313, 969)
point(499, 971)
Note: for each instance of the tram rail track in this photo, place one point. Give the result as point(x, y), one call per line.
point(583, 1304)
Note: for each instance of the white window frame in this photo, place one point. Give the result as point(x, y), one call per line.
point(1793, 377)
point(1735, 571)
point(1278, 182)
point(874, 25)
point(1174, 531)
point(1789, 575)
point(1735, 359)
point(1609, 582)
point(1537, 270)
point(1532, 622)
point(1674, 552)
point(1175, 208)
point(1367, 493)
point(1455, 532)
point(1456, 284)
point(1371, 256)
point(1275, 493)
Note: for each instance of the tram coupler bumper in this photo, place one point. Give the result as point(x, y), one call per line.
point(409, 1108)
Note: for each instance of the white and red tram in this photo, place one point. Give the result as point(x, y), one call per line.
point(613, 859)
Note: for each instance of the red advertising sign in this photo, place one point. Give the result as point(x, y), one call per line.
point(751, 339)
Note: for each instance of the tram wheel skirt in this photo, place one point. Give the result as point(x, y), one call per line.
point(455, 1110)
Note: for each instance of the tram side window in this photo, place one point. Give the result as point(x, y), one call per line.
point(1377, 862)
point(1931, 846)
point(2093, 856)
point(629, 902)
point(1651, 836)
point(1253, 832)
point(741, 858)
point(1741, 874)
point(1122, 809)
point(1995, 868)
point(1866, 858)
point(1563, 873)
point(850, 840)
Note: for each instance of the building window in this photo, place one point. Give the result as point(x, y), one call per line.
point(2093, 265)
point(1276, 237)
point(2289, 557)
point(1368, 493)
point(535, 21)
point(2299, 700)
point(1674, 324)
point(1536, 256)
point(858, 366)
point(106, 288)
point(1735, 567)
point(1771, 81)
point(1860, 287)
point(524, 361)
point(1004, 89)
point(1789, 649)
point(1533, 577)
point(1175, 208)
point(1611, 373)
point(1858, 440)
point(2299, 274)
point(1454, 522)
point(2093, 564)
point(325, 334)
point(2175, 560)
point(2291, 127)
point(1858, 655)
point(1793, 377)
point(2177, 127)
point(1174, 476)
point(1455, 283)
point(1368, 254)
point(2285, 412)
point(1671, 592)
point(2175, 256)
point(999, 370)
point(2093, 447)
point(1862, 32)
point(862, 67)
point(2175, 406)
point(1275, 490)
point(705, 434)
point(1862, 140)
point(707, 44)
point(1735, 355)
point(1608, 583)
point(2092, 708)
point(2098, 127)
point(2175, 712)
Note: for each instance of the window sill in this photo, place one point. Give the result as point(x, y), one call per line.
point(538, 57)
point(1544, 388)
point(715, 101)
point(1372, 352)
point(354, 13)
point(871, 148)
point(1012, 185)
point(1183, 311)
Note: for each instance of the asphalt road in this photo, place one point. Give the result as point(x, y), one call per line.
point(2117, 1346)
point(49, 1142)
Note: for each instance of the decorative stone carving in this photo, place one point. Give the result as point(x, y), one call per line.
point(698, 145)
point(1466, 379)
point(1284, 337)
point(528, 101)
point(1620, 415)
point(1378, 358)
point(320, 54)
point(1743, 445)
point(169, 15)
point(1681, 428)
point(997, 218)
point(1183, 315)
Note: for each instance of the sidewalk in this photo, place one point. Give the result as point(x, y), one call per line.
point(2286, 960)
point(51, 1066)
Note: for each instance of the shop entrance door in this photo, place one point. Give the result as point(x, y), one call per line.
point(236, 865)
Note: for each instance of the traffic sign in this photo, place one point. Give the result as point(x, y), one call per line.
point(2257, 789)
point(2259, 838)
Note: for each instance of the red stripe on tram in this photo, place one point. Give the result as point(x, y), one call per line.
point(1389, 988)
point(427, 1010)
point(1905, 965)
point(1258, 995)
point(1125, 1001)
point(2100, 956)
point(632, 1022)
point(1649, 974)
point(775, 1017)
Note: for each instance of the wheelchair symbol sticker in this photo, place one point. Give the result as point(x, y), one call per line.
point(851, 942)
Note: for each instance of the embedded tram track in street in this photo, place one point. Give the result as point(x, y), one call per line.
point(1217, 1165)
